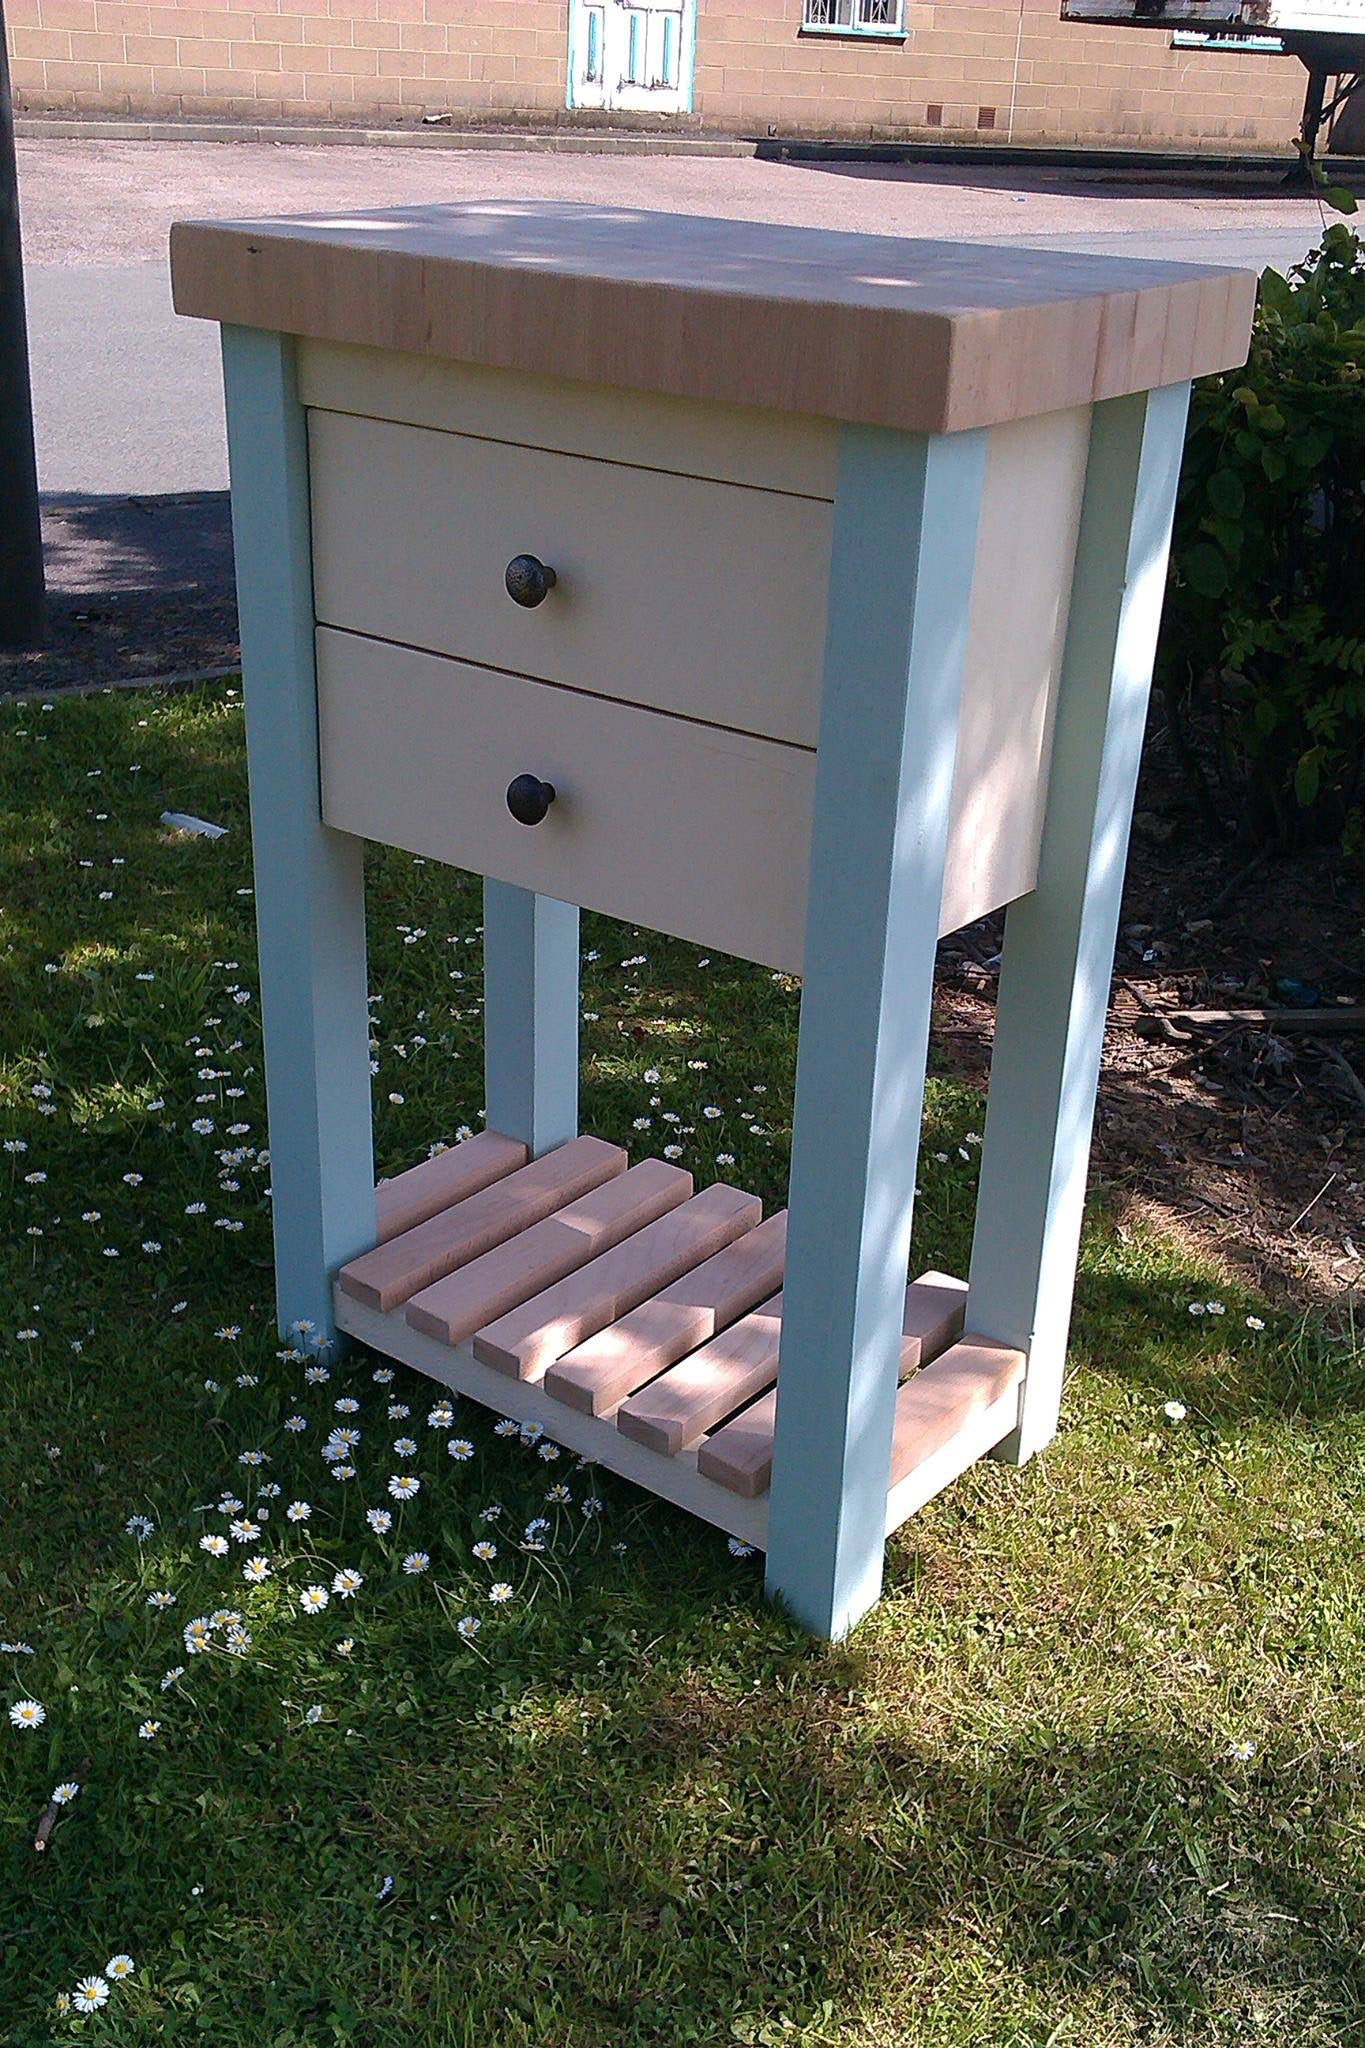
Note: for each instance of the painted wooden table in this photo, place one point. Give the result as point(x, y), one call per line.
point(789, 591)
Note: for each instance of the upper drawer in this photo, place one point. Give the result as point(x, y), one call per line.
point(688, 595)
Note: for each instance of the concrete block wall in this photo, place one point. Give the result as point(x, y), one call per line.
point(997, 70)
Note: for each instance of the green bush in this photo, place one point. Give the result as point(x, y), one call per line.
point(1262, 661)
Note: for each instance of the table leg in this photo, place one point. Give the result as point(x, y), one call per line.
point(905, 525)
point(310, 909)
point(530, 1015)
point(1059, 940)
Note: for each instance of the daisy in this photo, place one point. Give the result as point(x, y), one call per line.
point(216, 1546)
point(1243, 1752)
point(256, 1571)
point(313, 1599)
point(345, 1646)
point(119, 1967)
point(1175, 1411)
point(399, 1411)
point(507, 1427)
point(441, 1416)
point(149, 1731)
point(382, 1375)
point(63, 1794)
point(343, 1471)
point(380, 1520)
point(176, 1671)
point(139, 1526)
point(62, 2004)
point(347, 1405)
point(1255, 1323)
point(560, 1495)
point(485, 1551)
point(90, 1994)
point(346, 1438)
point(251, 1458)
point(740, 1549)
point(296, 1424)
point(298, 1510)
point(416, 1562)
point(161, 1600)
point(347, 1582)
point(313, 1716)
point(468, 1625)
point(403, 1486)
point(460, 1449)
point(245, 1531)
point(225, 1617)
point(404, 1447)
point(27, 1714)
point(500, 1592)
point(198, 1634)
point(316, 1374)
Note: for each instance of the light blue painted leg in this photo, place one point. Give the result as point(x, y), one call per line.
point(905, 524)
point(310, 909)
point(530, 1015)
point(1059, 941)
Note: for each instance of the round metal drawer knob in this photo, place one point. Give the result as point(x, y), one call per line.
point(528, 798)
point(529, 580)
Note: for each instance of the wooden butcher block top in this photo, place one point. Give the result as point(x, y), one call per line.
point(928, 336)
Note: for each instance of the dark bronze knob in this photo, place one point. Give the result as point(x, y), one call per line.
point(529, 581)
point(528, 798)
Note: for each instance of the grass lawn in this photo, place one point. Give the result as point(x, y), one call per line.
point(1092, 1773)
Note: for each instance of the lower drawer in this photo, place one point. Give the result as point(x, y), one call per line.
point(682, 827)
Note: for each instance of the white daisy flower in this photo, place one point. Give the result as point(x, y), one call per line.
point(485, 1551)
point(380, 1520)
point(197, 1635)
point(118, 1968)
point(347, 1582)
point(161, 1600)
point(148, 1731)
point(296, 1424)
point(90, 1994)
point(347, 1405)
point(1243, 1751)
point(63, 1794)
point(216, 1546)
point(468, 1625)
point(500, 1592)
point(27, 1714)
point(507, 1427)
point(460, 1449)
point(169, 1678)
point(244, 1531)
point(139, 1526)
point(441, 1416)
point(313, 1599)
point(313, 1716)
point(403, 1485)
point(256, 1571)
point(416, 1562)
point(1255, 1322)
point(1175, 1411)
point(738, 1548)
point(298, 1510)
point(404, 1447)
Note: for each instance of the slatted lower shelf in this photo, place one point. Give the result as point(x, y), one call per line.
point(639, 1323)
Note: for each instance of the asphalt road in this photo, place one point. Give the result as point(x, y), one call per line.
point(127, 405)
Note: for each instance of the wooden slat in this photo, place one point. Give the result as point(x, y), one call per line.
point(438, 1183)
point(739, 1454)
point(393, 1271)
point(940, 1400)
point(530, 1339)
point(595, 1376)
point(513, 1272)
point(674, 1410)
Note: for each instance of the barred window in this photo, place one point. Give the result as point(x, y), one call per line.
point(855, 17)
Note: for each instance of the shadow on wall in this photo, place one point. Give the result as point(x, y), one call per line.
point(135, 587)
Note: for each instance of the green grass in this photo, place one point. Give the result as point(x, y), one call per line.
point(638, 1808)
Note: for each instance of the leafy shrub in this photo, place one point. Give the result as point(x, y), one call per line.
point(1262, 660)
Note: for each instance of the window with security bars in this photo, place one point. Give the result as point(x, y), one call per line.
point(855, 17)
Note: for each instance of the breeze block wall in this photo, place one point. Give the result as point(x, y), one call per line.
point(997, 70)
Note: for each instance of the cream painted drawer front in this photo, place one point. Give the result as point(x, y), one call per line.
point(693, 596)
point(685, 828)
